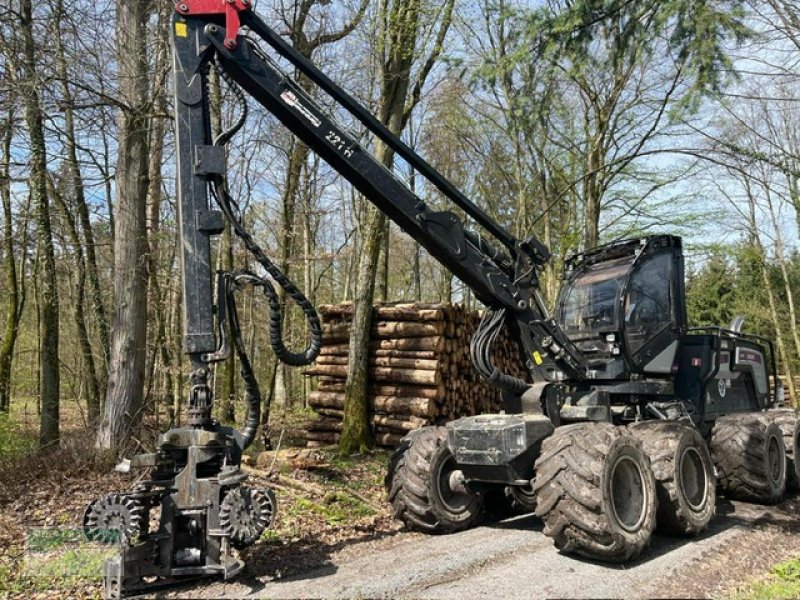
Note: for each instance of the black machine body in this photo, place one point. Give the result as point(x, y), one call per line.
point(623, 308)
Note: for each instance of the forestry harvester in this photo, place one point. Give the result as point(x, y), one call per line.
point(629, 418)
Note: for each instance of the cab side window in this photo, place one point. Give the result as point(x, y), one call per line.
point(648, 306)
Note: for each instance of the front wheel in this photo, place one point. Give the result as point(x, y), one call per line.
point(426, 488)
point(595, 491)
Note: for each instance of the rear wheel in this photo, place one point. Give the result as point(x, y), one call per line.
point(786, 419)
point(750, 457)
point(426, 487)
point(685, 481)
point(595, 491)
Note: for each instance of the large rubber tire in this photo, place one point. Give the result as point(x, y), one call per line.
point(595, 491)
point(418, 485)
point(786, 419)
point(685, 480)
point(750, 457)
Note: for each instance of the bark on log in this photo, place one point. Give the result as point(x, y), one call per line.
point(342, 350)
point(330, 412)
point(387, 329)
point(419, 407)
point(433, 392)
point(386, 361)
point(417, 354)
point(410, 423)
point(388, 439)
point(435, 343)
point(324, 424)
point(386, 313)
point(381, 374)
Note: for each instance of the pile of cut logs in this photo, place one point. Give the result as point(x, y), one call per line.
point(420, 370)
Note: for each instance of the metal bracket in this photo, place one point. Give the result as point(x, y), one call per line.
point(210, 221)
point(229, 8)
point(209, 160)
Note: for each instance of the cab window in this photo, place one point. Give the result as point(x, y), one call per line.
point(648, 304)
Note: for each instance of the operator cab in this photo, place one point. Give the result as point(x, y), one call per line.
point(622, 305)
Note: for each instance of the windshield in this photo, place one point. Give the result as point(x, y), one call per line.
point(590, 303)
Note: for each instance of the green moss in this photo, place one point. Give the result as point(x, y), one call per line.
point(14, 441)
point(56, 571)
point(336, 508)
point(783, 582)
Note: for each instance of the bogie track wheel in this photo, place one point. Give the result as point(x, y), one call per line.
point(245, 513)
point(685, 480)
point(426, 488)
point(750, 457)
point(107, 518)
point(786, 419)
point(595, 491)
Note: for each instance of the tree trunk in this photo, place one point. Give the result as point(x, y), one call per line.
point(129, 332)
point(49, 383)
point(93, 384)
point(11, 328)
point(79, 199)
point(773, 305)
point(90, 377)
point(158, 354)
point(592, 197)
point(780, 255)
point(401, 29)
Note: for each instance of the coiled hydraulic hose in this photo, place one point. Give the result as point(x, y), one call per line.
point(229, 208)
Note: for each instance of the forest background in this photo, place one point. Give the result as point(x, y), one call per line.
point(580, 121)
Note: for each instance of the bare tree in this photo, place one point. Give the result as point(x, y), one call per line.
point(402, 24)
point(307, 38)
point(13, 311)
point(49, 376)
point(129, 331)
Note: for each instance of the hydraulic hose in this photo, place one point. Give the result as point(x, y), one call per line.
point(252, 392)
point(227, 204)
point(481, 347)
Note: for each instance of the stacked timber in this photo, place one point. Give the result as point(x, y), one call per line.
point(788, 399)
point(420, 371)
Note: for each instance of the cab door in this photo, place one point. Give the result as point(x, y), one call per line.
point(653, 313)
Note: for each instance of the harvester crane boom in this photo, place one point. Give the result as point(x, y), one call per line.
point(505, 279)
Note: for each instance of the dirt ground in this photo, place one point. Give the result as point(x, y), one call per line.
point(334, 538)
point(512, 559)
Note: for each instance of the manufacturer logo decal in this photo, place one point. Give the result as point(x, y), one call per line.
point(753, 357)
point(722, 388)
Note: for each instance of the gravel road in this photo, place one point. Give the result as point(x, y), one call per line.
point(513, 559)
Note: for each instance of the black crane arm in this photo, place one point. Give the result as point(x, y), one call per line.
point(505, 279)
